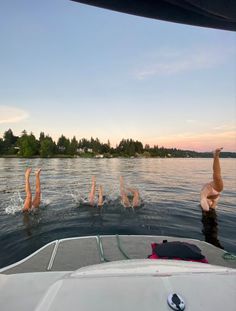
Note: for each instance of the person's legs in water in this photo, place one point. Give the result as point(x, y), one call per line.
point(92, 192)
point(210, 227)
point(100, 196)
point(136, 197)
point(124, 198)
point(217, 183)
point(28, 199)
point(37, 196)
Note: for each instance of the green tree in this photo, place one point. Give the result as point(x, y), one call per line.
point(9, 142)
point(73, 146)
point(105, 148)
point(63, 145)
point(129, 147)
point(146, 154)
point(41, 136)
point(47, 147)
point(28, 145)
point(84, 144)
point(95, 145)
point(138, 147)
point(1, 146)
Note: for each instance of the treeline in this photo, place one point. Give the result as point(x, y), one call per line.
point(27, 145)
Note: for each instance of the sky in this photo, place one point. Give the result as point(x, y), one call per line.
point(73, 69)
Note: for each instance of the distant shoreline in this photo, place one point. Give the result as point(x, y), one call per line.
point(226, 155)
point(28, 146)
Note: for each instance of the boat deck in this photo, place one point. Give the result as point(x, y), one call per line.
point(74, 253)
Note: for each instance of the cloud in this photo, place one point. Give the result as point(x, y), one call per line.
point(224, 127)
point(12, 114)
point(167, 63)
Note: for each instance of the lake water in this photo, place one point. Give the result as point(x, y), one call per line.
point(169, 189)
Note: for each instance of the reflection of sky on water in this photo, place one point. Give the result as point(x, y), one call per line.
point(169, 189)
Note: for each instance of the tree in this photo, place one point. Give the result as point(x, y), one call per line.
point(9, 142)
point(41, 136)
point(28, 145)
point(47, 147)
point(146, 154)
point(1, 146)
point(63, 145)
point(73, 146)
point(105, 148)
point(84, 144)
point(96, 145)
point(129, 147)
point(138, 146)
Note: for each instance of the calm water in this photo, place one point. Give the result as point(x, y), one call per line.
point(169, 189)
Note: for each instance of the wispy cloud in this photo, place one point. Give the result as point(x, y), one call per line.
point(191, 121)
point(12, 114)
point(167, 63)
point(224, 127)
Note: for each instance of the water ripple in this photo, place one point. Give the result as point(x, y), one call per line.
point(169, 189)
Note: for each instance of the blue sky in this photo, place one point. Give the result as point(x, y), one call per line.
point(79, 70)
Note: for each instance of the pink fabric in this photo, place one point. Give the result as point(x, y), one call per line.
point(154, 256)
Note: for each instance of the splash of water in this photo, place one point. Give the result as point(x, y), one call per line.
point(76, 196)
point(16, 204)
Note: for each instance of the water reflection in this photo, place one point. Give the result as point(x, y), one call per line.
point(210, 227)
point(168, 188)
point(31, 221)
point(27, 224)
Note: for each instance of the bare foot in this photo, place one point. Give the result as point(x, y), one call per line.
point(217, 151)
point(38, 171)
point(28, 171)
